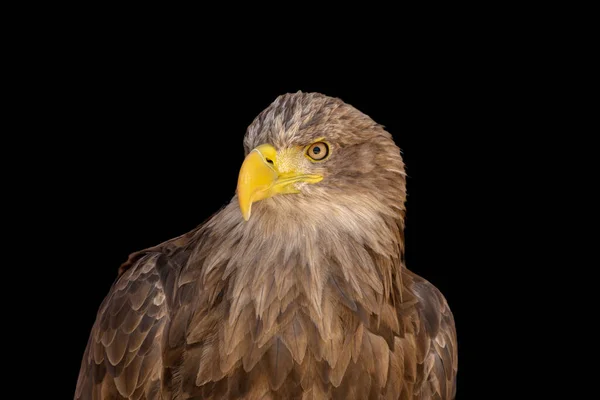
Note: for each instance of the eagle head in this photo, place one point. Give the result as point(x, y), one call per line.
point(311, 158)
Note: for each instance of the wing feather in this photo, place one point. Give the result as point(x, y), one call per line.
point(435, 340)
point(119, 361)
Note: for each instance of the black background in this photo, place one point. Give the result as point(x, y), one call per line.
point(143, 145)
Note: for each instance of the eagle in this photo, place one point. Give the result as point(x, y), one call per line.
point(296, 289)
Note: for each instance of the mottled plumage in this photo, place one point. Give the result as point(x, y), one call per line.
point(308, 299)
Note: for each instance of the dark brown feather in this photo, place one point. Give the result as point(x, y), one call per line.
point(123, 336)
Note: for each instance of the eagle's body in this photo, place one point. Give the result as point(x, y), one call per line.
point(308, 298)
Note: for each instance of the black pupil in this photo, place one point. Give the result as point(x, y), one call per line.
point(316, 149)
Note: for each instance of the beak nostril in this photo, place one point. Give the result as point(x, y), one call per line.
point(269, 160)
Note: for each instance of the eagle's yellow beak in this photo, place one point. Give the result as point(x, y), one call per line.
point(262, 175)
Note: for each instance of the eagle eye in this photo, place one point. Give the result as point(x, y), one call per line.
point(318, 151)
